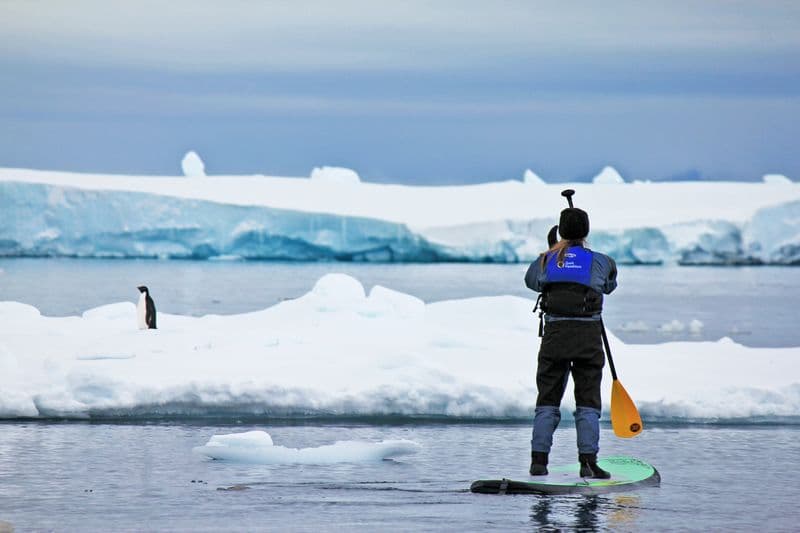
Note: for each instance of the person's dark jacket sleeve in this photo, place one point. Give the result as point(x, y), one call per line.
point(533, 278)
point(610, 282)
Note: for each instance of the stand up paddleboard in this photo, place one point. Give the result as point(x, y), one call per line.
point(627, 473)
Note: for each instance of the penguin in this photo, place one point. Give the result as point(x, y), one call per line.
point(146, 310)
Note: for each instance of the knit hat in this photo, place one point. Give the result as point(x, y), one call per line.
point(573, 224)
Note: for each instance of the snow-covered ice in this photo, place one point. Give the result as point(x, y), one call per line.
point(336, 175)
point(257, 447)
point(531, 178)
point(341, 350)
point(777, 179)
point(192, 165)
point(608, 176)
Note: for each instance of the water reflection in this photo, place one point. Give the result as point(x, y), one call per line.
point(626, 511)
point(541, 511)
point(585, 513)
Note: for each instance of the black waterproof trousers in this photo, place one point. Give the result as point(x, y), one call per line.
point(570, 346)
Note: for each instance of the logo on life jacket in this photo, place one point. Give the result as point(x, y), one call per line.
point(568, 262)
point(576, 267)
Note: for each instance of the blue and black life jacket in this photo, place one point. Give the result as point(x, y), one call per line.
point(568, 290)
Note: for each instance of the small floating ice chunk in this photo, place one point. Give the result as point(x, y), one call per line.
point(696, 327)
point(247, 439)
point(257, 447)
point(237, 487)
point(637, 326)
point(674, 326)
point(739, 330)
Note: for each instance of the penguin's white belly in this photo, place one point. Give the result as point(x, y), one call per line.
point(141, 311)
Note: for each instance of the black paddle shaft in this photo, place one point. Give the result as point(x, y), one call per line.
point(567, 193)
point(608, 350)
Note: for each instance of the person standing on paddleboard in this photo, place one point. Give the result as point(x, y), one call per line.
point(572, 280)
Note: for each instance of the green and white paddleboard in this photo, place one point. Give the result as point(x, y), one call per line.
point(627, 473)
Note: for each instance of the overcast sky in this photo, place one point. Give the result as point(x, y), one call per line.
point(411, 91)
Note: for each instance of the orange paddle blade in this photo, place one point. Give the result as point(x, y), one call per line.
point(625, 419)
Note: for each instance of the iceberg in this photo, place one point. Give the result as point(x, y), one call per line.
point(44, 220)
point(531, 178)
point(608, 176)
point(773, 234)
point(777, 179)
point(708, 242)
point(335, 216)
point(646, 246)
point(341, 351)
point(192, 165)
point(340, 175)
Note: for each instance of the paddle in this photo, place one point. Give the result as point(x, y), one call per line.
point(625, 419)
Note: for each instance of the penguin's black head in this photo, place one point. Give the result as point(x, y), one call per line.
point(142, 288)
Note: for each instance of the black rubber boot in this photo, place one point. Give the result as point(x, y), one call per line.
point(589, 466)
point(538, 464)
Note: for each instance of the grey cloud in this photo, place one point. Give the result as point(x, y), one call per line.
point(241, 35)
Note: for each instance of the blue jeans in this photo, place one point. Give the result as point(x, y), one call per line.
point(587, 425)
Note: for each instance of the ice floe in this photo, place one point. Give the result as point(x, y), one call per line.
point(343, 351)
point(257, 447)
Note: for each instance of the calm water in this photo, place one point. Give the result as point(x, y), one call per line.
point(140, 478)
point(755, 306)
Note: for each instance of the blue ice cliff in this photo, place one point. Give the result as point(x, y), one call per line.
point(56, 221)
